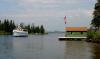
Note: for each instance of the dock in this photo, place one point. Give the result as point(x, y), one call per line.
point(72, 38)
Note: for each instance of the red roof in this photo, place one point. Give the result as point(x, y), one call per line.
point(76, 29)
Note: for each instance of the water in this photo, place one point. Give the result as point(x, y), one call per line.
point(46, 47)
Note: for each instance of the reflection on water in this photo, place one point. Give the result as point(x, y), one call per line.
point(6, 47)
point(96, 51)
point(46, 47)
point(77, 50)
point(28, 47)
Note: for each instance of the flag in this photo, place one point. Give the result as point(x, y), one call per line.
point(65, 19)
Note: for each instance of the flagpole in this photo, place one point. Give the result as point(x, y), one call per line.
point(65, 21)
point(65, 25)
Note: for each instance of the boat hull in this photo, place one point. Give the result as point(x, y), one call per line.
point(20, 33)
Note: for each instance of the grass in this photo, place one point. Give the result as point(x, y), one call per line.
point(77, 35)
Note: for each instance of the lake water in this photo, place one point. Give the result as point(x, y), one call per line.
point(46, 47)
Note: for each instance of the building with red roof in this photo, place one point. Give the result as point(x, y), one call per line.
point(76, 31)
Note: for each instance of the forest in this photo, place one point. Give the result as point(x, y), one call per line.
point(7, 26)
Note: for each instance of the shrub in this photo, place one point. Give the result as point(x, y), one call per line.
point(90, 34)
point(97, 35)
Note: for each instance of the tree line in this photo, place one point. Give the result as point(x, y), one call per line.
point(8, 25)
point(96, 16)
point(94, 31)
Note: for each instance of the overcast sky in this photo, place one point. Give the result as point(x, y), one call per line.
point(50, 13)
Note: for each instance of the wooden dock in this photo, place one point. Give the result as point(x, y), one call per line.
point(72, 38)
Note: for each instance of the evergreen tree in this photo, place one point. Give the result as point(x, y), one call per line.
point(42, 31)
point(33, 28)
point(0, 26)
point(11, 26)
point(96, 19)
point(37, 29)
point(6, 25)
point(28, 28)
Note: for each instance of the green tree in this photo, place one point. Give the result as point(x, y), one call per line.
point(0, 26)
point(6, 25)
point(42, 31)
point(37, 29)
point(11, 26)
point(96, 18)
point(33, 28)
point(28, 27)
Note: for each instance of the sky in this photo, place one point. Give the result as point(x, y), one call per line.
point(49, 13)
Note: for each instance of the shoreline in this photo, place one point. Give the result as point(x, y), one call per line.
point(7, 33)
point(93, 40)
point(4, 33)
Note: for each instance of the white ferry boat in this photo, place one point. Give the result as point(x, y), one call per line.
point(19, 32)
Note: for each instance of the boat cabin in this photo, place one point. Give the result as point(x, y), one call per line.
point(76, 31)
